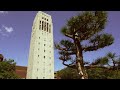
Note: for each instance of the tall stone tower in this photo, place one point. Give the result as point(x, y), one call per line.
point(41, 53)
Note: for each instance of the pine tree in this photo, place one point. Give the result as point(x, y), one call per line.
point(85, 27)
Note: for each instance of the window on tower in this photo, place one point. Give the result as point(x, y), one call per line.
point(39, 27)
point(42, 24)
point(47, 27)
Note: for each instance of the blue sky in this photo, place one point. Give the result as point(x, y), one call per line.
point(16, 27)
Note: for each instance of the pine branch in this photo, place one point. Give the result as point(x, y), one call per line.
point(99, 41)
point(72, 65)
point(67, 35)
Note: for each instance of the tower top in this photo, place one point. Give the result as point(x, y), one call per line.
point(44, 14)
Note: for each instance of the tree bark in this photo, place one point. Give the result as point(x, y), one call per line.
point(113, 64)
point(79, 60)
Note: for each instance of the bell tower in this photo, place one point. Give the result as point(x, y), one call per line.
point(41, 53)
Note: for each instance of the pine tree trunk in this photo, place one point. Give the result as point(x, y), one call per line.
point(81, 71)
point(79, 61)
point(113, 64)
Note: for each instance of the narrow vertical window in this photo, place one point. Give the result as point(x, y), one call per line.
point(42, 24)
point(39, 27)
point(47, 27)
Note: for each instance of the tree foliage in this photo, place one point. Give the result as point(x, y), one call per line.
point(103, 73)
point(94, 73)
point(68, 73)
point(110, 60)
point(7, 69)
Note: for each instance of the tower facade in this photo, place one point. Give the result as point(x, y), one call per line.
point(41, 53)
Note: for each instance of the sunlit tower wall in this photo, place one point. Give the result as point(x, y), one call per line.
point(41, 53)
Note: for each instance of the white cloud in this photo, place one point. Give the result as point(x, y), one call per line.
point(8, 29)
point(3, 12)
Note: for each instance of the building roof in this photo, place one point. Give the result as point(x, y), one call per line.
point(21, 71)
